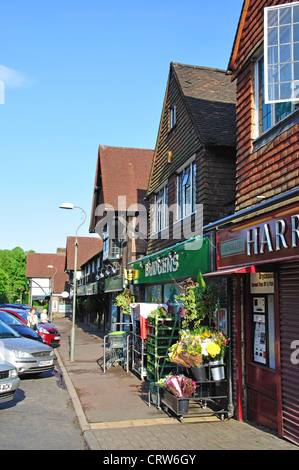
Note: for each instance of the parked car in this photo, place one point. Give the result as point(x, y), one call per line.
point(26, 355)
point(19, 326)
point(21, 306)
point(9, 381)
point(46, 330)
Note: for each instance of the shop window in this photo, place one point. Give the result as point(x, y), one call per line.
point(153, 294)
point(281, 52)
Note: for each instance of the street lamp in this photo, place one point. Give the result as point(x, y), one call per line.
point(52, 288)
point(68, 205)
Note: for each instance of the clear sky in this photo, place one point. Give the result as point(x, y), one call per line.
point(79, 74)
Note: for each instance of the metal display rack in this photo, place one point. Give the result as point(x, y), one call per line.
point(138, 355)
point(209, 399)
point(162, 333)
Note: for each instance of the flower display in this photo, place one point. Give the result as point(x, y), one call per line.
point(179, 385)
point(187, 351)
point(198, 346)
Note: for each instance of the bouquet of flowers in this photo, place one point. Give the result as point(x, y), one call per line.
point(187, 351)
point(179, 385)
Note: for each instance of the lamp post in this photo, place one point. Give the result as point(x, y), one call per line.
point(52, 287)
point(68, 205)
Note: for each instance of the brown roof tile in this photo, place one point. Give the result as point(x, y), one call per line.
point(87, 248)
point(121, 171)
point(37, 268)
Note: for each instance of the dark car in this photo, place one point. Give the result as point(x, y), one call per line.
point(17, 325)
point(46, 330)
point(20, 306)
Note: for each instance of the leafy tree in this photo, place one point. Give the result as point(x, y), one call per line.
point(13, 282)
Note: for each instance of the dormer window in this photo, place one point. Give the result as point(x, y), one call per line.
point(281, 52)
point(172, 117)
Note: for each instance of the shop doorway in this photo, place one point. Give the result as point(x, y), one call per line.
point(261, 370)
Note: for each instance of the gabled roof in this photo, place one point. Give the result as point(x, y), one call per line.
point(208, 98)
point(87, 248)
point(211, 97)
point(120, 171)
point(36, 267)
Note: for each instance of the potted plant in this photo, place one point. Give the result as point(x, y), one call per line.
point(199, 301)
point(123, 300)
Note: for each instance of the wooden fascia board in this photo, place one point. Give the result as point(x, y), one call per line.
point(159, 135)
point(94, 197)
point(235, 49)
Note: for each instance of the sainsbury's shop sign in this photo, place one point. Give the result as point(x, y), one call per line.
point(271, 237)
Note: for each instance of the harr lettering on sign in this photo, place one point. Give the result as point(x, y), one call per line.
point(273, 236)
point(260, 239)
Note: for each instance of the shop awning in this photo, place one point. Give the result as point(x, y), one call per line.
point(231, 271)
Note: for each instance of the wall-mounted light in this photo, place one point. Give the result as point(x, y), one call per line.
point(169, 156)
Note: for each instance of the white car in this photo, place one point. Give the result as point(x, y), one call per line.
point(9, 381)
point(26, 355)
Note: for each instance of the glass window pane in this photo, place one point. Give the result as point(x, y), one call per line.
point(272, 17)
point(296, 51)
point(285, 91)
point(296, 32)
point(273, 55)
point(273, 74)
point(273, 92)
point(273, 36)
point(285, 35)
point(286, 72)
point(296, 13)
point(285, 15)
point(296, 71)
point(285, 53)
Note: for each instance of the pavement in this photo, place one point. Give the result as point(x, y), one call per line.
point(114, 414)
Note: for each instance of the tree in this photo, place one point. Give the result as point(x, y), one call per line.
point(13, 282)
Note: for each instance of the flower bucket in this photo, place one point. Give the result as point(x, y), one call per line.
point(199, 373)
point(179, 405)
point(183, 406)
point(217, 372)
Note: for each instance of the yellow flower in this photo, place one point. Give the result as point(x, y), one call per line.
point(213, 349)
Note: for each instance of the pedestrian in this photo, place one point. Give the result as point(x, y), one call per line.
point(32, 319)
point(44, 316)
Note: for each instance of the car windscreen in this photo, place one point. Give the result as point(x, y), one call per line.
point(9, 319)
point(7, 332)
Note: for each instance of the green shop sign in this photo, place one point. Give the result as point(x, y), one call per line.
point(183, 260)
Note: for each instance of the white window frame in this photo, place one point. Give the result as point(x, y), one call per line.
point(281, 53)
point(185, 208)
point(276, 111)
point(161, 209)
point(172, 116)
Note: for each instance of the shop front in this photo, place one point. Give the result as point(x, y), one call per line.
point(113, 286)
point(262, 255)
point(157, 277)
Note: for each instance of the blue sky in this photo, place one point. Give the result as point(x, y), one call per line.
point(79, 74)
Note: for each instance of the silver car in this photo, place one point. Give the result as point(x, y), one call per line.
point(26, 355)
point(9, 381)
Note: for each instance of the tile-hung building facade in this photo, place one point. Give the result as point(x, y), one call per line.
point(120, 188)
point(262, 237)
point(192, 179)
